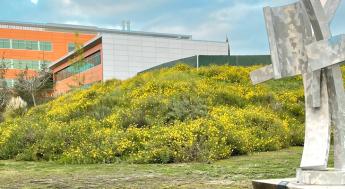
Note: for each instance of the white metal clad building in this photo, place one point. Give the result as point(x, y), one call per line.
point(125, 55)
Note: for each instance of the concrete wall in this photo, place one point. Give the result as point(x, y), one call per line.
point(124, 56)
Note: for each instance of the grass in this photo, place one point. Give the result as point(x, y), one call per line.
point(236, 172)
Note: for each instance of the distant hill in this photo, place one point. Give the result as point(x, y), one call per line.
point(178, 114)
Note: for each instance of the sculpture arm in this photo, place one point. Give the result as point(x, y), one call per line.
point(325, 53)
point(266, 73)
point(261, 75)
point(330, 8)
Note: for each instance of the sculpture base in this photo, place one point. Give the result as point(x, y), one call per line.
point(327, 177)
point(306, 179)
point(289, 184)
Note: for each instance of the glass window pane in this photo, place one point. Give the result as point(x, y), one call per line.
point(78, 67)
point(5, 43)
point(5, 63)
point(23, 64)
point(71, 47)
point(35, 45)
point(15, 64)
point(45, 46)
point(15, 44)
point(35, 65)
point(27, 45)
point(41, 46)
point(21, 44)
point(32, 45)
point(49, 46)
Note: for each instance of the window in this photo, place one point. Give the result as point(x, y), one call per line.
point(18, 64)
point(71, 47)
point(78, 67)
point(25, 44)
point(18, 44)
point(3, 83)
point(31, 45)
point(5, 43)
point(10, 83)
point(23, 64)
point(5, 63)
point(44, 64)
point(45, 46)
point(35, 65)
point(7, 83)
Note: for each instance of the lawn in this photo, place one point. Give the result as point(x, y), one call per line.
point(236, 172)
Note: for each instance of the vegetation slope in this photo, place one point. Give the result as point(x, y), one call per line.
point(179, 114)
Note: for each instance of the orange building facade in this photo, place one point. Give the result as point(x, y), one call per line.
point(81, 55)
point(35, 46)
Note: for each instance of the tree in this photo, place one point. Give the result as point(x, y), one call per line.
point(32, 85)
point(77, 63)
point(5, 93)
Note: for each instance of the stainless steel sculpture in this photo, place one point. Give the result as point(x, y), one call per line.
point(301, 44)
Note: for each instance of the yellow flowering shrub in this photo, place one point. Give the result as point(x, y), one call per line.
point(178, 114)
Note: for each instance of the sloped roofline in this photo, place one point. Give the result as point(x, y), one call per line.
point(89, 43)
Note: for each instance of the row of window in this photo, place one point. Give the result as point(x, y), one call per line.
point(21, 27)
point(25, 44)
point(23, 64)
point(78, 67)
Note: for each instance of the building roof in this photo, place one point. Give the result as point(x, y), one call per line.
point(89, 29)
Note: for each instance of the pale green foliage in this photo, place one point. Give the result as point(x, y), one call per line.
point(15, 107)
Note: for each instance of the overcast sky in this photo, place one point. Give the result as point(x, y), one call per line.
point(241, 20)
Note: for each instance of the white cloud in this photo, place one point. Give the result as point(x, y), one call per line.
point(88, 8)
point(66, 2)
point(34, 2)
point(214, 25)
point(235, 20)
point(242, 21)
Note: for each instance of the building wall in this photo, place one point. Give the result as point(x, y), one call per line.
point(59, 41)
point(92, 75)
point(207, 60)
point(124, 56)
point(88, 77)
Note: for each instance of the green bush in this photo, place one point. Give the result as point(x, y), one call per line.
point(14, 108)
point(173, 115)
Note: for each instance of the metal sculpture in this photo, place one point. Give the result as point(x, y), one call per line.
point(301, 44)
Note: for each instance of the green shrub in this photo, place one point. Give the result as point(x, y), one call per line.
point(15, 107)
point(173, 115)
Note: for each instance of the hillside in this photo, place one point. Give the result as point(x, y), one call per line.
point(173, 115)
